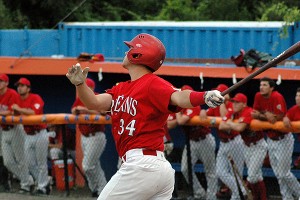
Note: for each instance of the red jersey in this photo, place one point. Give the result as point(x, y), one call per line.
point(294, 113)
point(7, 99)
point(244, 116)
point(70, 138)
point(195, 132)
point(36, 103)
point(139, 113)
point(274, 104)
point(216, 113)
point(85, 129)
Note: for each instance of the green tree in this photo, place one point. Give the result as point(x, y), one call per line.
point(281, 12)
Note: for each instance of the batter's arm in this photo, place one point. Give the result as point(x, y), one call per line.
point(181, 99)
point(100, 102)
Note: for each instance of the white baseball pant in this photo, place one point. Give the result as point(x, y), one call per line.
point(234, 148)
point(280, 153)
point(13, 154)
point(203, 150)
point(92, 148)
point(36, 150)
point(141, 177)
point(254, 158)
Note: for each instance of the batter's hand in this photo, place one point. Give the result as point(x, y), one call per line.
point(76, 75)
point(213, 98)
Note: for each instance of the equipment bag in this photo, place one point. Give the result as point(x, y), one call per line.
point(251, 59)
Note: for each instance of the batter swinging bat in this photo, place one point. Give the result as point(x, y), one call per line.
point(238, 175)
point(284, 55)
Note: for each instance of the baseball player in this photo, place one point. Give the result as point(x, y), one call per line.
point(93, 142)
point(269, 105)
point(139, 111)
point(55, 133)
point(256, 146)
point(293, 114)
point(203, 146)
point(36, 136)
point(12, 137)
point(220, 111)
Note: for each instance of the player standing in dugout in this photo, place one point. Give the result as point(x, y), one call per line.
point(139, 111)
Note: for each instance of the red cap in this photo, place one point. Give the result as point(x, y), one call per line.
point(221, 87)
point(4, 77)
point(186, 87)
point(239, 97)
point(23, 81)
point(90, 83)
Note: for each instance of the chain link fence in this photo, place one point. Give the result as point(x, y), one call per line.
point(41, 157)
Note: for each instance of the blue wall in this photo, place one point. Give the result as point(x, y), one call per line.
point(182, 40)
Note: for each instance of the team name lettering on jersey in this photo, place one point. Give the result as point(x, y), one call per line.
point(124, 104)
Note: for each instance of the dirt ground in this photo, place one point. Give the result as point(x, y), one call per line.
point(75, 194)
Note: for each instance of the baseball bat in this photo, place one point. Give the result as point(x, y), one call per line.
point(236, 179)
point(284, 55)
point(238, 175)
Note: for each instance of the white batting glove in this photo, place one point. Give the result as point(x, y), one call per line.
point(213, 98)
point(76, 75)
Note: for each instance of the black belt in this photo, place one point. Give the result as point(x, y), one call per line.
point(277, 138)
point(7, 128)
point(202, 137)
point(89, 134)
point(225, 140)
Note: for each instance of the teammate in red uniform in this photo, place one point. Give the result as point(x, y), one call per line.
point(220, 111)
point(93, 142)
point(269, 105)
point(139, 111)
point(256, 146)
point(36, 136)
point(202, 146)
point(293, 114)
point(12, 137)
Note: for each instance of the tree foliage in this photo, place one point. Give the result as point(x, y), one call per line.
point(47, 13)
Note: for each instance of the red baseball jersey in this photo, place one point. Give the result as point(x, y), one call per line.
point(195, 132)
point(139, 113)
point(7, 99)
point(167, 136)
point(216, 113)
point(70, 138)
point(248, 135)
point(274, 104)
point(85, 129)
point(294, 113)
point(36, 103)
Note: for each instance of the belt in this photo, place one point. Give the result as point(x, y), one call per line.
point(225, 140)
point(89, 134)
point(277, 138)
point(202, 137)
point(7, 128)
point(33, 132)
point(138, 152)
point(250, 143)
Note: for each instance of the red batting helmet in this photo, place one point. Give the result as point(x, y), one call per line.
point(146, 49)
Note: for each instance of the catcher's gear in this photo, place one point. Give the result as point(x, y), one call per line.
point(213, 98)
point(76, 75)
point(147, 50)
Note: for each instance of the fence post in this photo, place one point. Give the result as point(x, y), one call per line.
point(65, 157)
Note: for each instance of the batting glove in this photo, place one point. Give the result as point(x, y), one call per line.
point(76, 75)
point(213, 98)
